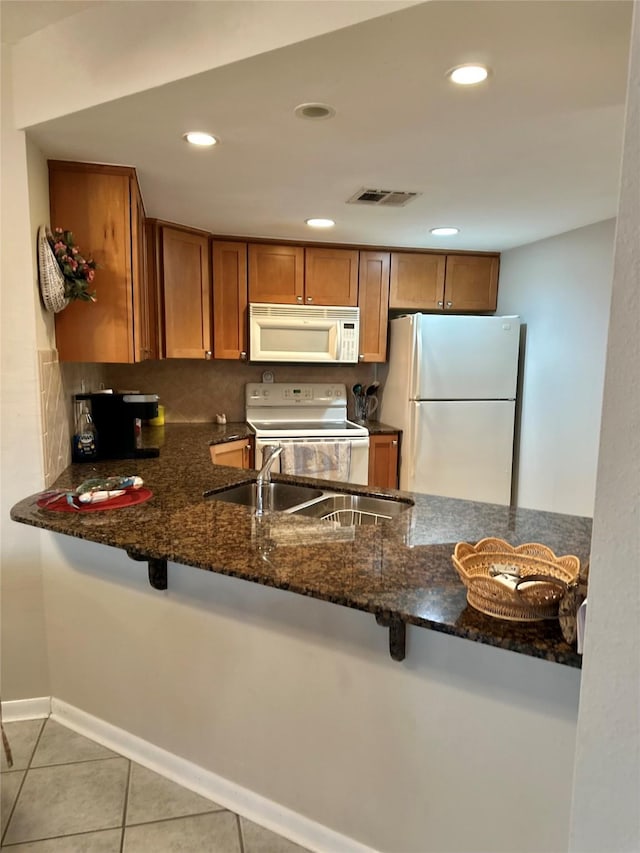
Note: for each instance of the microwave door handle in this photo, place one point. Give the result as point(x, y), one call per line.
point(338, 341)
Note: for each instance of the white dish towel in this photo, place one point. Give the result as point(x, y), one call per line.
point(327, 460)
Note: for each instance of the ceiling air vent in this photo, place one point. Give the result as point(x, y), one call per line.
point(390, 198)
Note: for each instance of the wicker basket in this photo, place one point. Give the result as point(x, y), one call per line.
point(50, 275)
point(523, 584)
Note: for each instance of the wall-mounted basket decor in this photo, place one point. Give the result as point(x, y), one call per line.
point(49, 274)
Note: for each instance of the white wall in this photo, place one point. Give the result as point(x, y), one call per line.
point(188, 37)
point(24, 651)
point(606, 814)
point(461, 747)
point(561, 287)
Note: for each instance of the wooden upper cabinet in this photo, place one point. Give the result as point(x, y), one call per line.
point(471, 283)
point(330, 276)
point(293, 275)
point(276, 273)
point(417, 280)
point(145, 296)
point(186, 287)
point(102, 207)
point(229, 300)
point(373, 299)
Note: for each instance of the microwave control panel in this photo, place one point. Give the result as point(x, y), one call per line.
point(349, 343)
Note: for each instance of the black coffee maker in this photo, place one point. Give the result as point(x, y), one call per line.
point(117, 418)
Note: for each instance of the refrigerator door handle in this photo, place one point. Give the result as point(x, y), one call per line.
point(416, 355)
point(411, 449)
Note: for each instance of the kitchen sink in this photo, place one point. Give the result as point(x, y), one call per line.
point(337, 507)
point(278, 496)
point(347, 510)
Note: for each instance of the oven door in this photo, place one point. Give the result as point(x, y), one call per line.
point(307, 457)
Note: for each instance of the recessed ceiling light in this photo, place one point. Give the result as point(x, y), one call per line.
point(197, 137)
point(320, 223)
point(444, 232)
point(314, 111)
point(467, 75)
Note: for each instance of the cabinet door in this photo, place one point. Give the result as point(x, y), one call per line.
point(373, 299)
point(331, 276)
point(471, 283)
point(417, 280)
point(229, 300)
point(383, 461)
point(94, 203)
point(153, 289)
point(276, 273)
point(235, 454)
point(186, 288)
point(144, 310)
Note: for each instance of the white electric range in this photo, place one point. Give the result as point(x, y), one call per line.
point(309, 420)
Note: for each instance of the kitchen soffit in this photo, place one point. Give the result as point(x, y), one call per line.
point(534, 152)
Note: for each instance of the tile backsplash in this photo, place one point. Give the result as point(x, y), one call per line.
point(195, 391)
point(191, 391)
point(58, 383)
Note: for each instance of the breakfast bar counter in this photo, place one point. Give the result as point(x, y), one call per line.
point(400, 571)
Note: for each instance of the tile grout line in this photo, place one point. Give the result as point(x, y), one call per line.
point(240, 835)
point(24, 779)
point(56, 837)
point(78, 761)
point(125, 805)
point(177, 817)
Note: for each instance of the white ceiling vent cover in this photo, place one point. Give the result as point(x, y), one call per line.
point(388, 198)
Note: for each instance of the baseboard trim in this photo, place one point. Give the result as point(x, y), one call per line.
point(297, 828)
point(14, 710)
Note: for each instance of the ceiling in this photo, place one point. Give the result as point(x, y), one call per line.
point(20, 18)
point(533, 152)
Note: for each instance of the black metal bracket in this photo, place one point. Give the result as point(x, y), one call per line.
point(397, 634)
point(157, 568)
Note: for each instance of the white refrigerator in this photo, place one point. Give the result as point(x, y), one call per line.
point(451, 389)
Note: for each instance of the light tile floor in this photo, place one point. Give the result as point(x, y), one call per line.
point(67, 794)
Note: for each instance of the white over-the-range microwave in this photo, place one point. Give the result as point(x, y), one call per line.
point(305, 333)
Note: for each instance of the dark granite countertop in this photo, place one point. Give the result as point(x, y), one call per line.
point(221, 433)
point(400, 568)
point(377, 428)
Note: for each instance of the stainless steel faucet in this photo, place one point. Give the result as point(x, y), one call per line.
point(270, 453)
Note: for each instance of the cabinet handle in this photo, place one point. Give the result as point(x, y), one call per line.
point(208, 354)
point(440, 304)
point(243, 356)
point(449, 304)
point(299, 298)
point(361, 357)
point(309, 298)
point(394, 442)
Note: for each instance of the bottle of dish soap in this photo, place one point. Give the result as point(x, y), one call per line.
point(85, 439)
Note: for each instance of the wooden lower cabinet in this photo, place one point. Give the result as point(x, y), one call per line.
point(235, 454)
point(383, 461)
point(373, 300)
